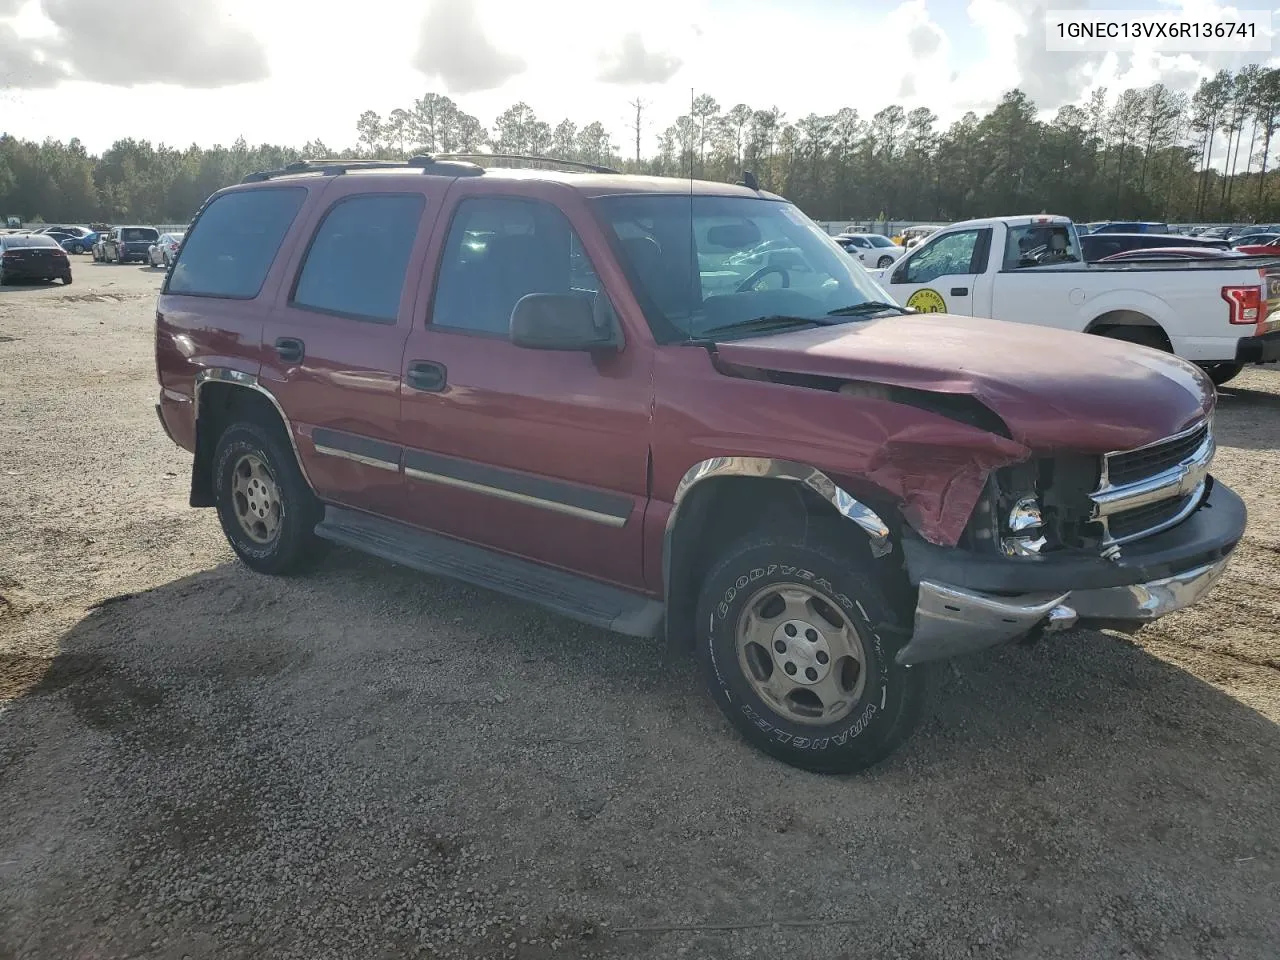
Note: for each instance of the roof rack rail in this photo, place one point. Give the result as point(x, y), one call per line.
point(528, 158)
point(335, 167)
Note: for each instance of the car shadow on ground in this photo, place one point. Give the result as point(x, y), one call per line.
point(1231, 397)
point(16, 286)
point(352, 724)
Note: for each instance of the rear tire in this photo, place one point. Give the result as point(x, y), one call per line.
point(267, 511)
point(1143, 336)
point(1221, 373)
point(837, 623)
point(66, 281)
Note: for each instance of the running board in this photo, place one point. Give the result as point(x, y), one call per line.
point(578, 598)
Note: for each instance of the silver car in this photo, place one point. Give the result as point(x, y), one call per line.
point(162, 252)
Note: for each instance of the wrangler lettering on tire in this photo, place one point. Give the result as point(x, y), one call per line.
point(794, 653)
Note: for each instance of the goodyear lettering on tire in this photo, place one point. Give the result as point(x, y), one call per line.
point(927, 300)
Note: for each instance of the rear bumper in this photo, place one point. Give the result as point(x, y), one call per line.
point(1263, 349)
point(968, 602)
point(36, 271)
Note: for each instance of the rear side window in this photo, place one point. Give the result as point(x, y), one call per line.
point(234, 242)
point(357, 261)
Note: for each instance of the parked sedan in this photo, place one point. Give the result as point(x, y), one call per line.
point(32, 256)
point(1170, 253)
point(71, 239)
point(1256, 239)
point(872, 250)
point(164, 250)
point(1267, 247)
point(124, 244)
point(99, 248)
point(1099, 246)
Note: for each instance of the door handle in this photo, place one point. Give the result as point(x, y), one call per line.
point(426, 375)
point(290, 349)
point(959, 291)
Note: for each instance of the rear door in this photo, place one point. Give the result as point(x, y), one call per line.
point(938, 275)
point(333, 342)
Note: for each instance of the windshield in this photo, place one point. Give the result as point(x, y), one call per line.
point(138, 234)
point(879, 241)
point(755, 258)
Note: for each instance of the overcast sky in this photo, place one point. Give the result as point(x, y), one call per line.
point(286, 71)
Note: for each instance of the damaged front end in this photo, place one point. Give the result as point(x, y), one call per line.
point(1021, 515)
point(1112, 541)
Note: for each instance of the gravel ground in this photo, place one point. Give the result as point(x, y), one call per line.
point(199, 762)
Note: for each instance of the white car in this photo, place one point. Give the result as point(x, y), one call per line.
point(1219, 313)
point(162, 252)
point(872, 250)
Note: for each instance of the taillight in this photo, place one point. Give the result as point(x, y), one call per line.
point(1245, 303)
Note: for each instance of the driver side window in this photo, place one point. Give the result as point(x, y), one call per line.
point(947, 255)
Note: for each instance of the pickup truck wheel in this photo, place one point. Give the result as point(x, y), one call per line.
point(267, 511)
point(1143, 336)
point(797, 646)
point(1221, 373)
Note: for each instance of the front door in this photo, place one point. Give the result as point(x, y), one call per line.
point(539, 453)
point(938, 276)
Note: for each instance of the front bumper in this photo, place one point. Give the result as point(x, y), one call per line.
point(968, 602)
point(1263, 349)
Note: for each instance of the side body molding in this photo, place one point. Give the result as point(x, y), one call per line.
point(877, 531)
point(249, 382)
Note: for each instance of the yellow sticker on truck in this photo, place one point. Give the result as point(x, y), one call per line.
point(927, 301)
point(1270, 321)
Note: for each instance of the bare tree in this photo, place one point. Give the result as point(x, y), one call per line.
point(638, 105)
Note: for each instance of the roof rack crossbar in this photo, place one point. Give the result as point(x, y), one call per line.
point(334, 167)
point(528, 158)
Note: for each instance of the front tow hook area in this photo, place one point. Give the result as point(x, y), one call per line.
point(951, 621)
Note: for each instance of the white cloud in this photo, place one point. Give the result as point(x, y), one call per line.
point(801, 58)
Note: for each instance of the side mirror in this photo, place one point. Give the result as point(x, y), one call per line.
point(557, 321)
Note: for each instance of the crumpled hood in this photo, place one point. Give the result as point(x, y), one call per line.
point(1054, 389)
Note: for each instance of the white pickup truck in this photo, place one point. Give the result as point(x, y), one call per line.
point(1218, 313)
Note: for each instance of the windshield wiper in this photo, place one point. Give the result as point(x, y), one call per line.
point(862, 309)
point(773, 322)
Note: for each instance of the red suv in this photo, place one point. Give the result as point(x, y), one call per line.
point(571, 388)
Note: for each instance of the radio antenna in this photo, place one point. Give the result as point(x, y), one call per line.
point(695, 279)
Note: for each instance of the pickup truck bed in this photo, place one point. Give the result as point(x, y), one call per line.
point(1218, 313)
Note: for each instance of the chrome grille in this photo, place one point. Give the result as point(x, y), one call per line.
point(1131, 465)
point(1153, 488)
point(1127, 523)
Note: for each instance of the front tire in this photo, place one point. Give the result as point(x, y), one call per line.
point(267, 511)
point(797, 643)
point(884, 262)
